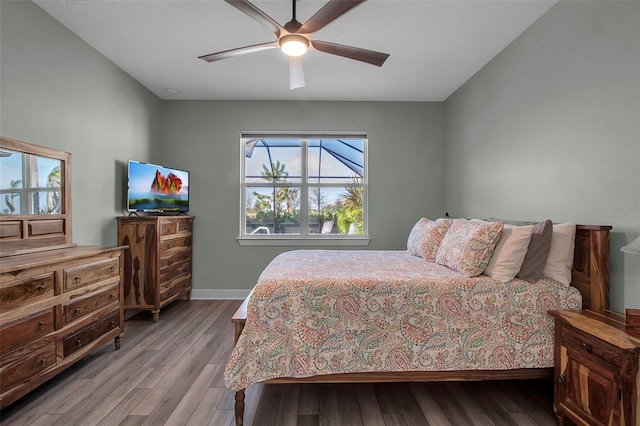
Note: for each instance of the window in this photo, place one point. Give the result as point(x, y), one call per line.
point(310, 187)
point(29, 184)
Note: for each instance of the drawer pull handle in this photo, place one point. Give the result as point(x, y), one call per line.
point(41, 325)
point(76, 312)
point(112, 323)
point(43, 362)
point(41, 288)
point(587, 347)
point(111, 269)
point(112, 297)
point(77, 280)
point(79, 342)
point(561, 378)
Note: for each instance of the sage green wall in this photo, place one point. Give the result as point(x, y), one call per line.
point(406, 157)
point(550, 128)
point(57, 91)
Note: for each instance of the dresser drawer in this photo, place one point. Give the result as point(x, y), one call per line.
point(170, 259)
point(184, 226)
point(175, 288)
point(174, 226)
point(168, 275)
point(19, 293)
point(80, 276)
point(25, 330)
point(168, 228)
point(85, 336)
point(174, 243)
point(590, 346)
point(33, 364)
point(10, 230)
point(81, 306)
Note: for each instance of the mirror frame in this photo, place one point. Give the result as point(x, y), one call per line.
point(28, 233)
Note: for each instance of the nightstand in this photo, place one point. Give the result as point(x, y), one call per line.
point(596, 369)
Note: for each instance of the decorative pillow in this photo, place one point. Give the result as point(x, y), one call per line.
point(560, 260)
point(509, 253)
point(415, 237)
point(468, 245)
point(537, 252)
point(426, 236)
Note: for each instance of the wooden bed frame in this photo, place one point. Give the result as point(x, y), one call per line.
point(590, 275)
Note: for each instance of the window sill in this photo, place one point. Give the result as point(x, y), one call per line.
point(304, 242)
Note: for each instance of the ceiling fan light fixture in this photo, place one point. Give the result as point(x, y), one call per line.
point(294, 45)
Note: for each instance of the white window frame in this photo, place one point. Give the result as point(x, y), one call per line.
point(304, 238)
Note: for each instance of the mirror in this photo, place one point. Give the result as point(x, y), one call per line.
point(35, 200)
point(29, 184)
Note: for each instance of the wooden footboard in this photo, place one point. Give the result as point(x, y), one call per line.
point(590, 277)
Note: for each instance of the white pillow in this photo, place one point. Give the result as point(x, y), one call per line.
point(509, 253)
point(560, 259)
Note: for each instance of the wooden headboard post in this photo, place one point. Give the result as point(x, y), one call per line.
point(590, 274)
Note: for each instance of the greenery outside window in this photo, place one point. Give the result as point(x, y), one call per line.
point(304, 187)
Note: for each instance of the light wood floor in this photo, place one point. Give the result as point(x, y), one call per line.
point(171, 373)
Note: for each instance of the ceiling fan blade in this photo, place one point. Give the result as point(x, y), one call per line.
point(329, 12)
point(296, 72)
point(212, 57)
point(251, 10)
point(369, 56)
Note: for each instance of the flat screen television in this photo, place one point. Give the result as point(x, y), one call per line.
point(154, 188)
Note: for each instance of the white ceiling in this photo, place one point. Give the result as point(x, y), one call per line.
point(435, 46)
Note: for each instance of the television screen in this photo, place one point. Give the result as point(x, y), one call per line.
point(154, 188)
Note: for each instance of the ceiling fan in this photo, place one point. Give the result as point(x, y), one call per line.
point(294, 38)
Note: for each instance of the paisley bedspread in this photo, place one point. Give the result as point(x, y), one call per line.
point(316, 312)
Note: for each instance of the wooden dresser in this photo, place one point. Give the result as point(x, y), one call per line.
point(58, 301)
point(56, 306)
point(596, 369)
point(157, 264)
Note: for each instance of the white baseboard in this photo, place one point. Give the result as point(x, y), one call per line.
point(205, 294)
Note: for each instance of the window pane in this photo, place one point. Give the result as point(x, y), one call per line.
point(336, 210)
point(273, 160)
point(275, 209)
point(10, 169)
point(47, 202)
point(48, 172)
point(10, 203)
point(335, 160)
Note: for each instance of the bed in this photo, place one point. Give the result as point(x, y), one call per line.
point(328, 316)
